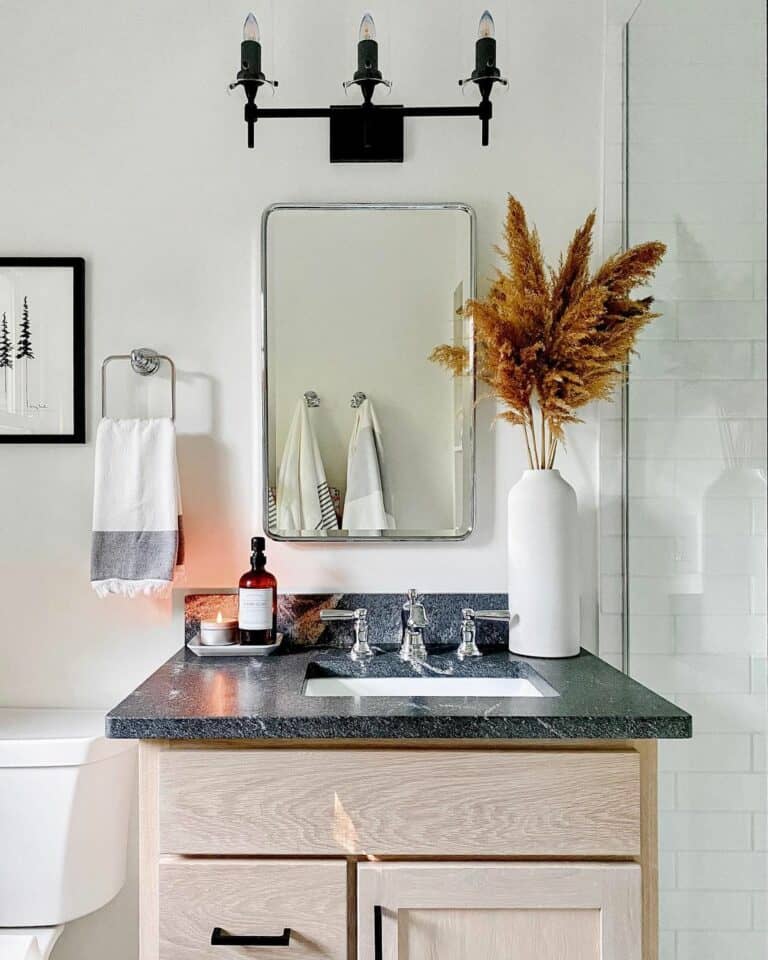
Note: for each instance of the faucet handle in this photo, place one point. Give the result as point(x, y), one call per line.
point(490, 615)
point(468, 646)
point(360, 649)
point(328, 616)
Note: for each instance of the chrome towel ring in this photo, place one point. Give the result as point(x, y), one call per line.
point(145, 362)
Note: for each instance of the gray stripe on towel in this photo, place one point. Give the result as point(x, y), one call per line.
point(134, 555)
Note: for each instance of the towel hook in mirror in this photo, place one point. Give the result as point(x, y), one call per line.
point(311, 398)
point(357, 399)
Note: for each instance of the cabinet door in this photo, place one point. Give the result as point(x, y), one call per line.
point(499, 911)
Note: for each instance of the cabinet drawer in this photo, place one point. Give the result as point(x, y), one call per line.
point(498, 803)
point(253, 899)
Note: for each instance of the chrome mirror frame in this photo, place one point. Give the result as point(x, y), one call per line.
point(385, 537)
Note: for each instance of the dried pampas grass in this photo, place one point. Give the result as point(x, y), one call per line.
point(554, 339)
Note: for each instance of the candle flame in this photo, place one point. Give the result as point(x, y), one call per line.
point(219, 617)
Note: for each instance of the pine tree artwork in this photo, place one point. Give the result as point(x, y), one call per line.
point(42, 351)
point(6, 354)
point(24, 349)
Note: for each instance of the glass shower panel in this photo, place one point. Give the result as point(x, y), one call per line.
point(696, 467)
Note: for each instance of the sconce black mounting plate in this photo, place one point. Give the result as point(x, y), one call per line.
point(367, 134)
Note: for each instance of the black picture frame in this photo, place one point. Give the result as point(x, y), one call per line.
point(77, 265)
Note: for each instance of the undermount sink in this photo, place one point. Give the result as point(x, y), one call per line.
point(426, 686)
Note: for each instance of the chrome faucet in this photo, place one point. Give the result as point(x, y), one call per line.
point(468, 646)
point(414, 620)
point(359, 618)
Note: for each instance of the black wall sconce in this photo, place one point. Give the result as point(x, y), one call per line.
point(368, 132)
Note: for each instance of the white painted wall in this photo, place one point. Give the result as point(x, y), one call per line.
point(118, 143)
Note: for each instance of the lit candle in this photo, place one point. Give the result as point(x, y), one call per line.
point(220, 632)
point(250, 50)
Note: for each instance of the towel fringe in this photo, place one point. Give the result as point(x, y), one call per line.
point(131, 588)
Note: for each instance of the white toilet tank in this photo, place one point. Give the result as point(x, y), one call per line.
point(65, 799)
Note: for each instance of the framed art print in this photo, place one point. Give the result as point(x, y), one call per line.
point(42, 350)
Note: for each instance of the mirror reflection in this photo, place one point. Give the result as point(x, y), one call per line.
point(365, 437)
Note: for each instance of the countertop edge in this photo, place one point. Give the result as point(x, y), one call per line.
point(399, 728)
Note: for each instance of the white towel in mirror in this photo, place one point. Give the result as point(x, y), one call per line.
point(366, 507)
point(303, 499)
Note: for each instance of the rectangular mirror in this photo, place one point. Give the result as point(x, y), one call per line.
point(364, 437)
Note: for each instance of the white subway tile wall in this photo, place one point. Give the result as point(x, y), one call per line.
point(697, 451)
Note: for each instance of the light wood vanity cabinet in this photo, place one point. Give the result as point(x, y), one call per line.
point(410, 851)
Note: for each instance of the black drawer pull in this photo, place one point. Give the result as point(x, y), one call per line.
point(378, 949)
point(220, 938)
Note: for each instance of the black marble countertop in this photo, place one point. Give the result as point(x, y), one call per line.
point(259, 698)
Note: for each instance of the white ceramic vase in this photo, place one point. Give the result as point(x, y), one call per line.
point(543, 577)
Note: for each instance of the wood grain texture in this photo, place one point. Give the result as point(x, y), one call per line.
point(149, 753)
point(471, 933)
point(649, 845)
point(253, 898)
point(538, 902)
point(392, 802)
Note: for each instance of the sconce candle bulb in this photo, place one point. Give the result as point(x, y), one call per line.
point(485, 48)
point(250, 50)
point(367, 28)
point(487, 27)
point(250, 75)
point(251, 29)
point(367, 51)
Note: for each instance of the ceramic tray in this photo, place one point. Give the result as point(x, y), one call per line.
point(234, 649)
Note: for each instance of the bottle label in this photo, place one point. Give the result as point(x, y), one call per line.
point(255, 608)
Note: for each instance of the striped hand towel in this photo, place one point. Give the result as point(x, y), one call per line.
point(137, 540)
point(303, 499)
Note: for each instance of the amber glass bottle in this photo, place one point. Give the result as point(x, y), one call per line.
point(257, 606)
